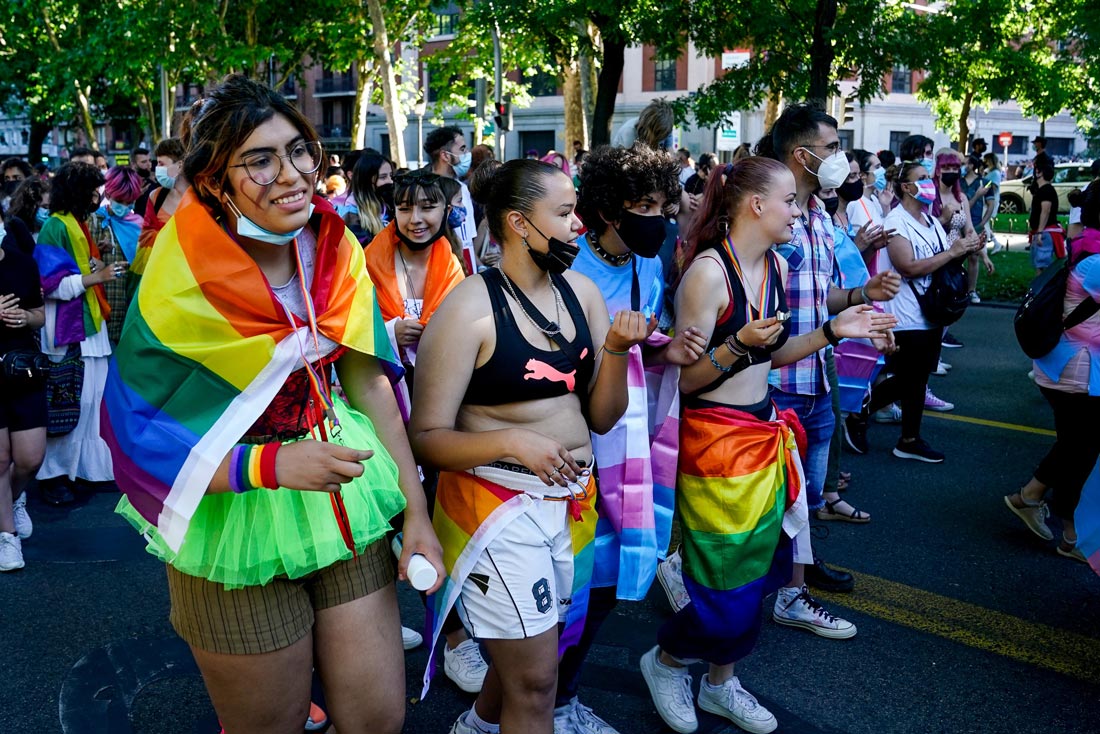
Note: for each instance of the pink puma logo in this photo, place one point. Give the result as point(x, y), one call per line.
point(538, 370)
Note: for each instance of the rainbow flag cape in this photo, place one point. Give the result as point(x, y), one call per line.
point(741, 503)
point(470, 512)
point(1087, 519)
point(205, 349)
point(64, 248)
point(636, 462)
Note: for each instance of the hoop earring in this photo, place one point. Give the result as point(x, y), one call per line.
point(723, 224)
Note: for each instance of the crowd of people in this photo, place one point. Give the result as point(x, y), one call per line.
point(532, 369)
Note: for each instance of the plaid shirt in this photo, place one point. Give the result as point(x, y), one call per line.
point(809, 277)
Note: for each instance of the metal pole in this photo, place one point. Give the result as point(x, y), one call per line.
point(498, 92)
point(165, 110)
point(419, 135)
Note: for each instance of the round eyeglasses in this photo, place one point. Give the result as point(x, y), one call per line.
point(264, 167)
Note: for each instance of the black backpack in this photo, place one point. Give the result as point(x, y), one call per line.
point(945, 299)
point(1038, 321)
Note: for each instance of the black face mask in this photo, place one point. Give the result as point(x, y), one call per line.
point(851, 190)
point(385, 195)
point(559, 256)
point(10, 187)
point(949, 178)
point(643, 235)
point(832, 204)
point(418, 246)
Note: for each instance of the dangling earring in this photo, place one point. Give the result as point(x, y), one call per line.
point(723, 224)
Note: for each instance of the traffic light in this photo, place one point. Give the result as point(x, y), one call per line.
point(848, 113)
point(502, 116)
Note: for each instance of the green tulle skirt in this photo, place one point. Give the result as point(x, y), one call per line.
point(248, 539)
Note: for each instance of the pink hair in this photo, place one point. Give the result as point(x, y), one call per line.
point(564, 162)
point(123, 185)
point(946, 158)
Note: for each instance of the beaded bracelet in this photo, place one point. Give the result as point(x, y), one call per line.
point(252, 467)
point(718, 365)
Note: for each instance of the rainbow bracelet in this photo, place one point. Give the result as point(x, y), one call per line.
point(252, 467)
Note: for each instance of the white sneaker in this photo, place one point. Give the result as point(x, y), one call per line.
point(461, 727)
point(796, 608)
point(465, 666)
point(890, 414)
point(942, 368)
point(670, 573)
point(410, 638)
point(931, 402)
point(584, 721)
point(736, 704)
point(23, 525)
point(671, 692)
point(11, 552)
point(563, 718)
point(1034, 516)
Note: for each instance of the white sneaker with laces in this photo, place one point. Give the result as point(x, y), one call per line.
point(1034, 516)
point(586, 722)
point(410, 638)
point(736, 704)
point(23, 525)
point(796, 608)
point(461, 727)
point(11, 552)
point(465, 666)
point(563, 718)
point(671, 692)
point(670, 574)
point(890, 414)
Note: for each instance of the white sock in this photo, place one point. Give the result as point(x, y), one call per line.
point(476, 721)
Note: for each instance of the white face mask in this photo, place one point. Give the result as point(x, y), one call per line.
point(247, 228)
point(833, 170)
point(161, 174)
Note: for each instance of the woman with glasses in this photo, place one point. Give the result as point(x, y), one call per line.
point(268, 496)
point(516, 367)
point(73, 274)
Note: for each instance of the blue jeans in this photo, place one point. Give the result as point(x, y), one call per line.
point(816, 414)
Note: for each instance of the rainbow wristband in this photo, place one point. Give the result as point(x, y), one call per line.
point(252, 467)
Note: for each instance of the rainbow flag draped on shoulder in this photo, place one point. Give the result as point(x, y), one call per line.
point(205, 349)
point(470, 511)
point(65, 248)
point(636, 462)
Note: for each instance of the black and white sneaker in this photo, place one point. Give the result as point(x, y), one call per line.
point(855, 433)
point(918, 450)
point(949, 341)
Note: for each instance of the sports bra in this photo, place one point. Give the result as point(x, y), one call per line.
point(518, 371)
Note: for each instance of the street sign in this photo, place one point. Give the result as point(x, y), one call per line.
point(736, 58)
point(1004, 139)
point(728, 136)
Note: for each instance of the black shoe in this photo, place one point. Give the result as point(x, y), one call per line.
point(918, 450)
point(56, 493)
point(822, 577)
point(949, 341)
point(855, 433)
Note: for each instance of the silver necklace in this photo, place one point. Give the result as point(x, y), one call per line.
point(555, 328)
point(408, 282)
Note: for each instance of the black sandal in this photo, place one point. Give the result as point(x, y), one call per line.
point(829, 512)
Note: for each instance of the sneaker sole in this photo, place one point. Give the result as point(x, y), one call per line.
point(465, 687)
point(906, 455)
point(668, 594)
point(851, 444)
point(1073, 555)
point(5, 569)
point(1048, 535)
point(756, 727)
point(940, 408)
point(886, 420)
point(820, 631)
point(951, 346)
point(647, 664)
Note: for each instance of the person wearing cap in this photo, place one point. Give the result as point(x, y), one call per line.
point(978, 147)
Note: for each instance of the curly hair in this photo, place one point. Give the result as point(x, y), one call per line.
point(26, 200)
point(614, 177)
point(72, 187)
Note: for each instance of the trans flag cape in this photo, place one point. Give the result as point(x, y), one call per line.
point(65, 248)
point(1087, 519)
point(857, 360)
point(206, 348)
point(125, 230)
point(739, 492)
point(470, 511)
point(636, 461)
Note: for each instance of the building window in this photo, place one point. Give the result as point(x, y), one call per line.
point(543, 84)
point(847, 139)
point(664, 75)
point(896, 138)
point(902, 81)
point(1060, 147)
point(444, 24)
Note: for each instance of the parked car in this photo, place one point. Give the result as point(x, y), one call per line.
point(1016, 194)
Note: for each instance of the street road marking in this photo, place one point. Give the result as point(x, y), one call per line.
point(991, 424)
point(1061, 651)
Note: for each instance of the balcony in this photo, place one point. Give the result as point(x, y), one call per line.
point(336, 85)
point(334, 132)
point(289, 89)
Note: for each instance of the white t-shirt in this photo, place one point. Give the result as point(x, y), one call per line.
point(1075, 215)
point(927, 238)
point(468, 229)
point(685, 174)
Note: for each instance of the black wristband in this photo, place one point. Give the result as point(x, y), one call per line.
point(849, 299)
point(830, 336)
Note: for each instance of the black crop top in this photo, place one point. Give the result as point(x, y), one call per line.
point(518, 371)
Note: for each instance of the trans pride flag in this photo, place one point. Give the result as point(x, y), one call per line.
point(205, 349)
point(470, 512)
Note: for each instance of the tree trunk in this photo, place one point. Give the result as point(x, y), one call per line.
point(576, 123)
point(395, 118)
point(821, 52)
point(39, 132)
point(771, 110)
point(608, 87)
point(964, 122)
point(588, 80)
point(150, 109)
point(363, 90)
point(86, 116)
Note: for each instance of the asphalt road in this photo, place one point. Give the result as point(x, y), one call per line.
point(967, 622)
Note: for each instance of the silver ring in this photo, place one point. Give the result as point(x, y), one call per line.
point(556, 471)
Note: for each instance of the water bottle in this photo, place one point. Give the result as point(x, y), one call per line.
point(421, 573)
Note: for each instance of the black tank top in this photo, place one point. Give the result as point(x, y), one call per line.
point(518, 371)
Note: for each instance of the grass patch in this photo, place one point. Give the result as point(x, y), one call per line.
point(1017, 223)
point(1010, 282)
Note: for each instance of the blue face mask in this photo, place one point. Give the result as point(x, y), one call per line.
point(462, 165)
point(120, 210)
point(880, 179)
point(41, 215)
point(247, 228)
point(457, 217)
point(929, 165)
